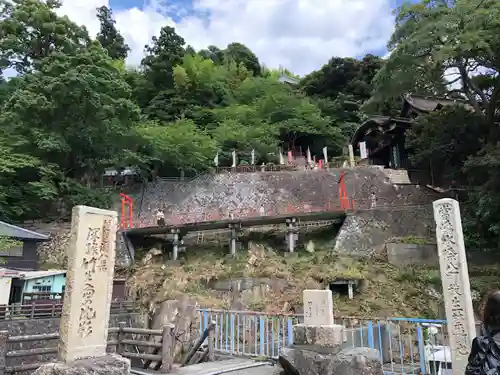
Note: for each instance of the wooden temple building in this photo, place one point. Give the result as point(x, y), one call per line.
point(385, 135)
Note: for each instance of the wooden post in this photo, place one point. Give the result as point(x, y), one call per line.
point(167, 348)
point(120, 347)
point(4, 335)
point(211, 343)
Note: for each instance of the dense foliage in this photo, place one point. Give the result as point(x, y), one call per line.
point(74, 108)
point(450, 48)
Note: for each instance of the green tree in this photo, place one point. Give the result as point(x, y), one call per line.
point(71, 114)
point(213, 53)
point(31, 30)
point(443, 141)
point(341, 87)
point(181, 146)
point(434, 39)
point(162, 55)
point(241, 54)
point(109, 37)
point(450, 49)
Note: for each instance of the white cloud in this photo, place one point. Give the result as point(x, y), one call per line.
point(298, 34)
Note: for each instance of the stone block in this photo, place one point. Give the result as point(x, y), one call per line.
point(318, 307)
point(350, 361)
point(325, 336)
point(111, 364)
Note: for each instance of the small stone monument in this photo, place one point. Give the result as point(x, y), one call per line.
point(318, 327)
point(317, 347)
point(455, 279)
point(87, 298)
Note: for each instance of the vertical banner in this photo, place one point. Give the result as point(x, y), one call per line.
point(363, 152)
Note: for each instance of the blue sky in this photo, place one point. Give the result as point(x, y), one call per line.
point(300, 35)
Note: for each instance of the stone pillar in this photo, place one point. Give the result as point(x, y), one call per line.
point(89, 284)
point(318, 327)
point(455, 279)
point(235, 228)
point(350, 290)
point(175, 242)
point(352, 163)
point(291, 233)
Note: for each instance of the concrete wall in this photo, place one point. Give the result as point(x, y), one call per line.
point(411, 254)
point(224, 193)
point(427, 255)
point(363, 232)
point(238, 193)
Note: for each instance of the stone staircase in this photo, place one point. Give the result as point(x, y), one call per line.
point(397, 176)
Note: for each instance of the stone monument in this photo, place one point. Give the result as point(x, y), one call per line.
point(87, 298)
point(318, 327)
point(317, 348)
point(455, 279)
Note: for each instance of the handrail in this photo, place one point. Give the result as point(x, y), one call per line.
point(163, 355)
point(345, 205)
point(53, 310)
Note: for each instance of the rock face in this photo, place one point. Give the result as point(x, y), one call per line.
point(318, 361)
point(110, 364)
point(53, 252)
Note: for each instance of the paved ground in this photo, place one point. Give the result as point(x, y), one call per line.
point(245, 366)
point(237, 366)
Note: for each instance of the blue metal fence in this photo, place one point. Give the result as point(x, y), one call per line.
point(405, 345)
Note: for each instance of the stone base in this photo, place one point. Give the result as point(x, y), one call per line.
point(350, 361)
point(325, 336)
point(111, 364)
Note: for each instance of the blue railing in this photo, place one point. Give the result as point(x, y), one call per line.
point(405, 345)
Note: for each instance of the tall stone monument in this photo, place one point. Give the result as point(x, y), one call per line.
point(89, 284)
point(455, 279)
point(87, 298)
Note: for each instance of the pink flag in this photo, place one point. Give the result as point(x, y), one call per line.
point(290, 157)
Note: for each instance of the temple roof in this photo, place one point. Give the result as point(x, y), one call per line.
point(9, 230)
point(426, 105)
point(419, 104)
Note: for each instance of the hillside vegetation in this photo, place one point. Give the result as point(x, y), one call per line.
point(385, 291)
